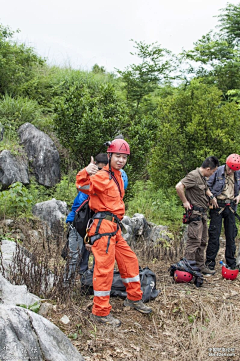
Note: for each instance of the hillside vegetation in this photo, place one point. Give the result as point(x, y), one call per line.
point(174, 110)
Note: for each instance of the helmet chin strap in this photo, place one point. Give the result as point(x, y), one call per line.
point(111, 173)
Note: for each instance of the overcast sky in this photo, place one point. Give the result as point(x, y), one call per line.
point(81, 33)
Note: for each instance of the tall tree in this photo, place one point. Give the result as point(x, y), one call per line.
point(193, 124)
point(218, 53)
point(141, 79)
point(229, 22)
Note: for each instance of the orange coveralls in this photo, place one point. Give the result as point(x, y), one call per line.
point(105, 196)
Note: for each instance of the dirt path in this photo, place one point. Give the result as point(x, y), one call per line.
point(187, 323)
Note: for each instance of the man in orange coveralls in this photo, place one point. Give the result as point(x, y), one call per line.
point(106, 190)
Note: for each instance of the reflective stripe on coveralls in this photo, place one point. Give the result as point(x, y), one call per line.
point(101, 293)
point(133, 279)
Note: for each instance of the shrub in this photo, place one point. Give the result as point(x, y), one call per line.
point(16, 111)
point(158, 206)
point(15, 201)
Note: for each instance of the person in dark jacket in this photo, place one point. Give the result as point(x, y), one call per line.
point(224, 185)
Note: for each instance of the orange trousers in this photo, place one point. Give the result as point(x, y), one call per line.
point(127, 261)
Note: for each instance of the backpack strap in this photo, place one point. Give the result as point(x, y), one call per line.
point(82, 204)
point(112, 176)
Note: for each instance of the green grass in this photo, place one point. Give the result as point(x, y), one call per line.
point(159, 206)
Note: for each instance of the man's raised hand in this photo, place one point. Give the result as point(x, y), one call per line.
point(92, 168)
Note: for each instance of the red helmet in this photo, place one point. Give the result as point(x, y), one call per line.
point(182, 276)
point(229, 274)
point(119, 146)
point(233, 161)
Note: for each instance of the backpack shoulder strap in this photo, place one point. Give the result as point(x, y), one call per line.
point(115, 180)
point(82, 204)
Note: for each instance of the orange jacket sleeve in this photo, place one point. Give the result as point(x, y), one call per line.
point(94, 184)
point(82, 181)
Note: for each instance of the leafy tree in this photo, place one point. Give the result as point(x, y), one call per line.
point(229, 22)
point(86, 118)
point(218, 53)
point(17, 63)
point(210, 49)
point(193, 124)
point(141, 79)
point(219, 61)
point(90, 113)
point(98, 69)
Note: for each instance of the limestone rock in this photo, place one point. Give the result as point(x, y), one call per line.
point(52, 212)
point(25, 335)
point(12, 169)
point(42, 154)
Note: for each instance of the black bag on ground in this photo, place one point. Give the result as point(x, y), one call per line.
point(87, 283)
point(147, 279)
point(190, 267)
point(148, 284)
point(118, 289)
point(82, 216)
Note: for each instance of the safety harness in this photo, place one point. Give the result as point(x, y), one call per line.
point(227, 203)
point(100, 216)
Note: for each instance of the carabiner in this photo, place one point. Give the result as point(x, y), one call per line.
point(86, 238)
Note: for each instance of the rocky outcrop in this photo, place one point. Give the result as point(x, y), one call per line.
point(12, 169)
point(15, 294)
point(25, 335)
point(42, 154)
point(52, 212)
point(20, 261)
point(137, 228)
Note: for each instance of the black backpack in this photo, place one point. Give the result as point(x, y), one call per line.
point(82, 216)
point(147, 279)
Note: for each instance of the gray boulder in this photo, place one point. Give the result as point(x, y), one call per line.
point(158, 233)
point(52, 212)
point(12, 169)
point(8, 248)
point(20, 294)
point(137, 228)
point(25, 335)
point(16, 294)
point(42, 154)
